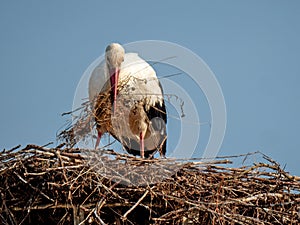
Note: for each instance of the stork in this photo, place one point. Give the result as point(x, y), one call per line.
point(137, 109)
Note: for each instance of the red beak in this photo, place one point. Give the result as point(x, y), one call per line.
point(114, 77)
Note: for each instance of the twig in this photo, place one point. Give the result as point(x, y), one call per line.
point(124, 217)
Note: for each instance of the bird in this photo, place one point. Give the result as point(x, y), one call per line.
point(130, 102)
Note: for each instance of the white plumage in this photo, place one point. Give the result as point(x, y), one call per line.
point(138, 116)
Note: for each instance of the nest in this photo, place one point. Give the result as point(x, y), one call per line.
point(67, 185)
point(41, 185)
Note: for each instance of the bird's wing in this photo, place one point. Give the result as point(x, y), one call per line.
point(98, 81)
point(142, 83)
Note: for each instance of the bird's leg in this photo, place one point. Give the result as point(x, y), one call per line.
point(142, 145)
point(98, 139)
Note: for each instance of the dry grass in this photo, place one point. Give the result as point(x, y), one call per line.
point(42, 185)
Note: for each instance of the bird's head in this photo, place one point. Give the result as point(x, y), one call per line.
point(114, 56)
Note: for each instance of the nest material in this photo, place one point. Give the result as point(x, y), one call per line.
point(98, 113)
point(42, 185)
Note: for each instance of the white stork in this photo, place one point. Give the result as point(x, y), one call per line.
point(138, 116)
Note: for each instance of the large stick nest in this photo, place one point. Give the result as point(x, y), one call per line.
point(40, 185)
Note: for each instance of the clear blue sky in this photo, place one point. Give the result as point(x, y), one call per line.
point(252, 47)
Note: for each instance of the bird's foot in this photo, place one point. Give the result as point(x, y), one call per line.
point(98, 140)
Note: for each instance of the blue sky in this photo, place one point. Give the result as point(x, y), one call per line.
point(252, 47)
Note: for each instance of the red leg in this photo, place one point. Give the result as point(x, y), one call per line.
point(98, 139)
point(142, 145)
